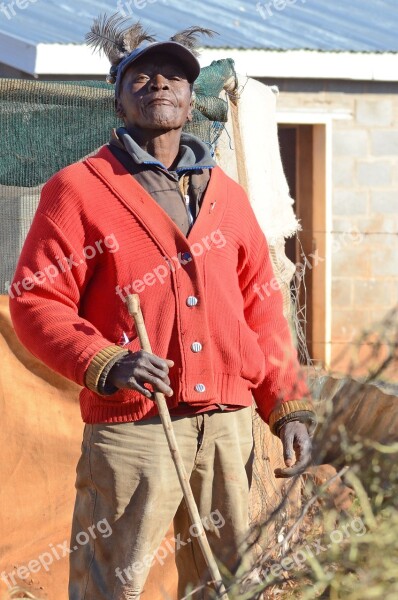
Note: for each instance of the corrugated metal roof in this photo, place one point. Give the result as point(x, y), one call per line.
point(329, 25)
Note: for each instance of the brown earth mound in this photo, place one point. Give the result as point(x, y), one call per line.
point(40, 439)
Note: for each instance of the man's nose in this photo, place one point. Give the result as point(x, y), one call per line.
point(159, 82)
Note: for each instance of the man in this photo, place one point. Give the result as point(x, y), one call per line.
point(152, 214)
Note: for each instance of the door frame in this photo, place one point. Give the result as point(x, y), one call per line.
point(321, 218)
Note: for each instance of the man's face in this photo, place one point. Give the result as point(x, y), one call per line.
point(155, 94)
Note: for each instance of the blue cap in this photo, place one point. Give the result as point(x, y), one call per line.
point(184, 56)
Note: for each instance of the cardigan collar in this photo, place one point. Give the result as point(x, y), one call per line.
point(154, 219)
point(194, 154)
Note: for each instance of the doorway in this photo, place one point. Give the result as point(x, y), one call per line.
point(303, 151)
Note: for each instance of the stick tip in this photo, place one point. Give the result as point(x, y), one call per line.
point(133, 303)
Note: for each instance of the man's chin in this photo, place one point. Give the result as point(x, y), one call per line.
point(163, 125)
point(161, 117)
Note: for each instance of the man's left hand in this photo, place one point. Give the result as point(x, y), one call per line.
point(296, 444)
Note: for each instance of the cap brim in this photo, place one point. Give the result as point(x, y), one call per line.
point(183, 55)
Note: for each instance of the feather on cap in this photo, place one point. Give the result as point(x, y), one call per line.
point(113, 37)
point(190, 37)
point(122, 45)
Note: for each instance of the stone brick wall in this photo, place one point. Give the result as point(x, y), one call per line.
point(365, 211)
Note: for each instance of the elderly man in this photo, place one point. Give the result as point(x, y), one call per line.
point(152, 214)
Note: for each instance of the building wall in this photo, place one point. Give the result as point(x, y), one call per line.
point(364, 254)
point(11, 73)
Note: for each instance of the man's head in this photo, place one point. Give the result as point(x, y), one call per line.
point(155, 92)
point(154, 80)
point(175, 51)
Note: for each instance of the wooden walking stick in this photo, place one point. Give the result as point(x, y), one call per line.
point(133, 303)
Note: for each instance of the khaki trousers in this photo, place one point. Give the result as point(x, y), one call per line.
point(128, 493)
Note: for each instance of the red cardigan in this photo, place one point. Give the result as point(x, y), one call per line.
point(100, 229)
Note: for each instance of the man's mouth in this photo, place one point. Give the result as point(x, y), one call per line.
point(157, 101)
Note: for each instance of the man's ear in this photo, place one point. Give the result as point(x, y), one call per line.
point(191, 107)
point(119, 108)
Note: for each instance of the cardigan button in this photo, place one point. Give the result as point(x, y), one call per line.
point(192, 301)
point(196, 347)
point(200, 387)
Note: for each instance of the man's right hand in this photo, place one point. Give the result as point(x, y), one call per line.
point(138, 368)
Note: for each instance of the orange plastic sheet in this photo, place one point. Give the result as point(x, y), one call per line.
point(40, 437)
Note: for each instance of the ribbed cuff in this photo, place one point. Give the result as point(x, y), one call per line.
point(101, 364)
point(286, 409)
point(306, 417)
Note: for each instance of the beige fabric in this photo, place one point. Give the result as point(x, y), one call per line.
point(266, 183)
point(126, 476)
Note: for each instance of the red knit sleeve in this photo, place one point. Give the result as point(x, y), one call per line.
point(45, 295)
point(284, 380)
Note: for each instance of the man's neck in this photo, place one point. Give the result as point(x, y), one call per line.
point(162, 145)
